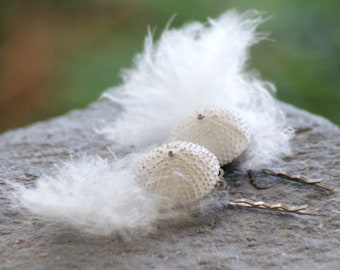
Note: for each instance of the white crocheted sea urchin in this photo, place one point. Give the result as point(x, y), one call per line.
point(181, 172)
point(222, 131)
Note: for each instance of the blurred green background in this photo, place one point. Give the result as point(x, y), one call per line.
point(58, 55)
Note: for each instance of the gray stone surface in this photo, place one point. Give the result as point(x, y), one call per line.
point(227, 238)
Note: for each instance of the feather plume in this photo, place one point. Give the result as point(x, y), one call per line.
point(198, 65)
point(95, 195)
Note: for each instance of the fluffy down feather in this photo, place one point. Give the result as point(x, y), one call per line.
point(94, 195)
point(199, 65)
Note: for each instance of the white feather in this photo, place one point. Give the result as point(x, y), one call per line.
point(94, 195)
point(199, 65)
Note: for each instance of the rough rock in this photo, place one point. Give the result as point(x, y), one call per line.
point(227, 238)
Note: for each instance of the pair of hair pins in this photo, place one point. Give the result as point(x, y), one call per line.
point(301, 209)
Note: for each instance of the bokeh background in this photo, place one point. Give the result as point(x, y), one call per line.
point(58, 55)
